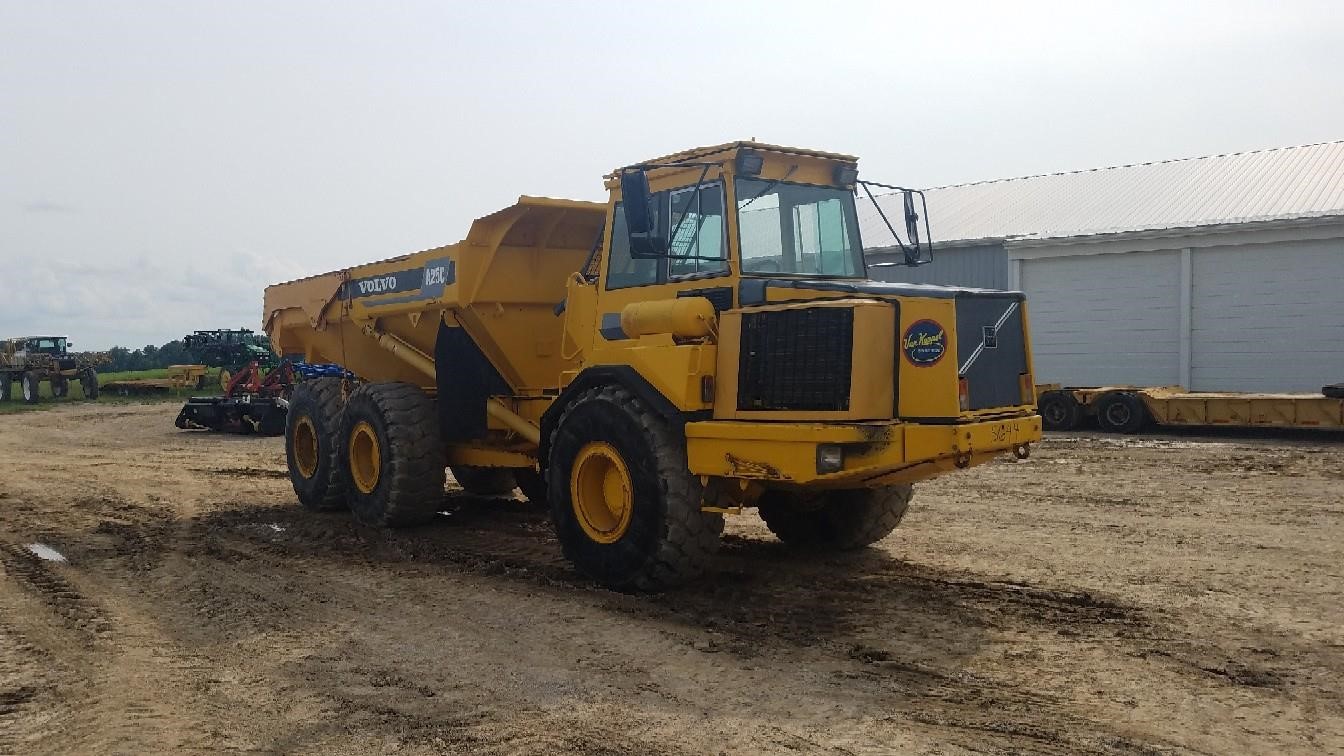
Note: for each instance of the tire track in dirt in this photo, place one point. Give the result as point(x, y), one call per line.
point(750, 614)
point(30, 676)
point(75, 610)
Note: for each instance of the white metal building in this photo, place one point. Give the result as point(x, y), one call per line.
point(1221, 273)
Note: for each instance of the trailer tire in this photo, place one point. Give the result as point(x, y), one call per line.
point(532, 484)
point(835, 520)
point(484, 481)
point(88, 381)
point(1059, 411)
point(612, 451)
point(31, 384)
point(393, 455)
point(1121, 412)
point(312, 445)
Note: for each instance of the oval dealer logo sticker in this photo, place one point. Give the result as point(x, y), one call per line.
point(925, 342)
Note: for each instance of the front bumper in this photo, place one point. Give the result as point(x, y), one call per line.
point(876, 453)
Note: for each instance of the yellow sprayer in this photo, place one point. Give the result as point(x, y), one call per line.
point(706, 341)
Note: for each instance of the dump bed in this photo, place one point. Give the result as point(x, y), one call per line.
point(499, 286)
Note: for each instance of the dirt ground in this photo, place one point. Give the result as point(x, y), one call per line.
point(1159, 594)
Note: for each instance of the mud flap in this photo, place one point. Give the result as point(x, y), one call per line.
point(465, 379)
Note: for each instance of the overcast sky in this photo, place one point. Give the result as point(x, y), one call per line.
point(160, 163)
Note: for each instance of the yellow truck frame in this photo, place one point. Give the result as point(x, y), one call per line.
point(705, 341)
point(1128, 409)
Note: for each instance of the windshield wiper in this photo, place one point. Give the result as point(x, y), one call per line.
point(768, 187)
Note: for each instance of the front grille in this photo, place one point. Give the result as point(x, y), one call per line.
point(796, 359)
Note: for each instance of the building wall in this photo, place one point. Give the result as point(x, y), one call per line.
point(1240, 310)
point(1099, 320)
point(1267, 317)
point(983, 266)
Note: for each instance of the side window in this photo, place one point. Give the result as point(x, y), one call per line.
point(759, 227)
point(821, 238)
point(695, 225)
point(698, 232)
point(622, 269)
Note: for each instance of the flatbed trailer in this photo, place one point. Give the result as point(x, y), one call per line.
point(1127, 409)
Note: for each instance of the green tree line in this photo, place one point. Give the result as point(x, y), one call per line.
point(148, 357)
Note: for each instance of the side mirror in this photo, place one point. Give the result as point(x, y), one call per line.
point(636, 201)
point(911, 219)
point(912, 256)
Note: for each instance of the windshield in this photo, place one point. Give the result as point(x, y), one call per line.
point(50, 346)
point(796, 229)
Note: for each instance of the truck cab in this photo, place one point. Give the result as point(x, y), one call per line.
point(739, 292)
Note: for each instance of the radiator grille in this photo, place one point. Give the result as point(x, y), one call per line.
point(796, 359)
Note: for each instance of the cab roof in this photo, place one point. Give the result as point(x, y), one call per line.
point(700, 153)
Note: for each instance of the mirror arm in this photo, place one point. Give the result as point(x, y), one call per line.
point(928, 235)
point(904, 250)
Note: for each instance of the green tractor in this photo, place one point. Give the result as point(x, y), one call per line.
point(30, 360)
point(230, 351)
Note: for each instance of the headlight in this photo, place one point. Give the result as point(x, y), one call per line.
point(830, 458)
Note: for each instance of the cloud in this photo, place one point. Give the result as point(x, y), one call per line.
point(46, 206)
point(135, 302)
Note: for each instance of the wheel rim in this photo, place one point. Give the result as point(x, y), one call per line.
point(29, 390)
point(305, 447)
point(366, 459)
point(601, 492)
point(224, 377)
point(1117, 414)
point(1054, 413)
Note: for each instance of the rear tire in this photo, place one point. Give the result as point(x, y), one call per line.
point(31, 386)
point(60, 387)
point(88, 381)
point(312, 447)
point(625, 508)
point(1059, 411)
point(484, 481)
point(393, 455)
point(1121, 412)
point(6, 387)
point(838, 520)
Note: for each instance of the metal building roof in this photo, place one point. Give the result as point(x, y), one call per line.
point(1263, 185)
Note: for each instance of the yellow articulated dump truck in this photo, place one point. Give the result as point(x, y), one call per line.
point(706, 341)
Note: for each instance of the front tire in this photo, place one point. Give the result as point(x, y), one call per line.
point(837, 520)
point(625, 508)
point(31, 386)
point(88, 381)
point(1059, 411)
point(6, 387)
point(393, 454)
point(312, 446)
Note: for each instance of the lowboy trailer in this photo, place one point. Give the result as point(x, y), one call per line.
point(1128, 409)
